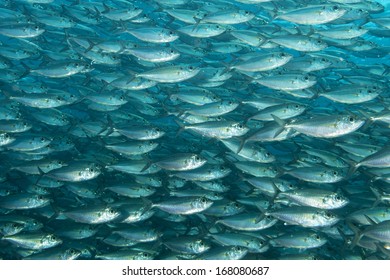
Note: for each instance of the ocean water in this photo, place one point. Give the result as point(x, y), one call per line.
point(183, 129)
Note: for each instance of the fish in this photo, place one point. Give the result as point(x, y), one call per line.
point(316, 14)
point(184, 205)
point(196, 130)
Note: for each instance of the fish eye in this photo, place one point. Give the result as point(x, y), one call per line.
point(170, 32)
point(40, 197)
point(267, 154)
point(323, 59)
point(14, 225)
point(282, 54)
point(240, 126)
point(335, 8)
point(296, 106)
point(236, 205)
point(53, 238)
point(318, 237)
point(334, 172)
point(306, 78)
point(246, 12)
point(145, 255)
point(230, 103)
point(203, 200)
point(218, 26)
point(191, 68)
point(197, 158)
point(328, 215)
point(369, 91)
point(42, 139)
point(72, 251)
point(338, 197)
point(111, 211)
point(91, 170)
point(351, 119)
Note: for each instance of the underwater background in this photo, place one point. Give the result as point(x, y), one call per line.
point(184, 129)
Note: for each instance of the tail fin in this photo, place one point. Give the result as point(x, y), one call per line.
point(281, 123)
point(358, 234)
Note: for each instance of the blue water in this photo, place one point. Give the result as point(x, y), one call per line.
point(72, 87)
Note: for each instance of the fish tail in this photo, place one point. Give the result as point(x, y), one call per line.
point(358, 234)
point(281, 123)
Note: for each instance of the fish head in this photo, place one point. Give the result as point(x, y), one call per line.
point(196, 161)
point(234, 207)
point(315, 238)
point(169, 34)
point(71, 254)
point(327, 218)
point(91, 171)
point(110, 213)
point(351, 122)
point(335, 10)
point(199, 246)
point(143, 256)
point(11, 228)
point(237, 252)
point(337, 200)
point(202, 203)
point(239, 128)
point(51, 240)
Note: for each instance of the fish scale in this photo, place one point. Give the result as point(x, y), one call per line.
point(178, 129)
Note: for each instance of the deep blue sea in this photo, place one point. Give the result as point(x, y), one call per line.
point(185, 129)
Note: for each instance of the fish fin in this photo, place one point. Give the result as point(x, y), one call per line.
point(370, 220)
point(242, 144)
point(181, 125)
point(91, 45)
point(368, 122)
point(147, 166)
point(351, 170)
point(281, 123)
point(148, 204)
point(379, 247)
point(378, 196)
point(260, 217)
point(276, 189)
point(41, 174)
point(110, 125)
point(106, 8)
point(197, 22)
point(347, 239)
point(358, 234)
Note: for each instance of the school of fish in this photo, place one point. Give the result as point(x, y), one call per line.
point(189, 129)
